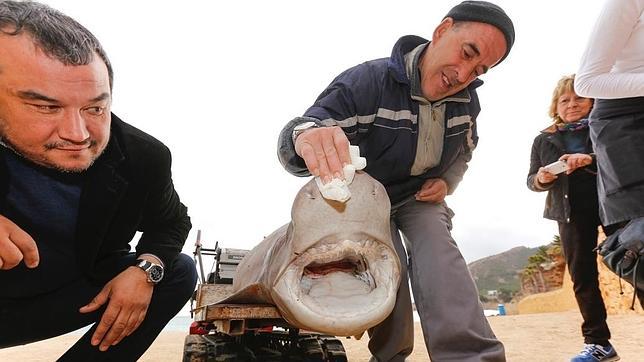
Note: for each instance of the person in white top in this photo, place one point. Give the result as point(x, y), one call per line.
point(613, 64)
point(612, 71)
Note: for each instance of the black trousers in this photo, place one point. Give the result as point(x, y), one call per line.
point(26, 321)
point(579, 238)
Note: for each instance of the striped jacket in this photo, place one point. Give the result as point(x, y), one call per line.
point(375, 105)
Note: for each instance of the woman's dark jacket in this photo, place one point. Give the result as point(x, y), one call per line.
point(580, 186)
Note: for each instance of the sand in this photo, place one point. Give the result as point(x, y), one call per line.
point(532, 337)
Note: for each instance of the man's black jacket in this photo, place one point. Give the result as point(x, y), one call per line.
point(128, 189)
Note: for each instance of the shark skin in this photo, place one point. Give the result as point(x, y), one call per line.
point(333, 269)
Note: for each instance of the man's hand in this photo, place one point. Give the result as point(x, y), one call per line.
point(129, 295)
point(15, 246)
point(576, 160)
point(325, 151)
point(433, 190)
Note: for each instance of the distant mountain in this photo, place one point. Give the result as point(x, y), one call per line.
point(500, 271)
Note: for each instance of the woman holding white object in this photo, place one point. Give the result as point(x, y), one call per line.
point(572, 202)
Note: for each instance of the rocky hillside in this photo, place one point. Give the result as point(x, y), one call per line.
point(545, 269)
point(501, 272)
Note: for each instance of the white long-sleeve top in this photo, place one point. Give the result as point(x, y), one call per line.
point(613, 63)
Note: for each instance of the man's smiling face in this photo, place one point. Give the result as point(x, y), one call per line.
point(458, 54)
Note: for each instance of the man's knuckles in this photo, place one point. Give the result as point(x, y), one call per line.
point(9, 262)
point(118, 326)
point(10, 256)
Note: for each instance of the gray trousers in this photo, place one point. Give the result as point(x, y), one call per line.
point(446, 297)
point(617, 133)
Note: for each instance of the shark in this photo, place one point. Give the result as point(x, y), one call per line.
point(333, 269)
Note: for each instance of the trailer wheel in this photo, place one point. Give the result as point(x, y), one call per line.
point(215, 348)
point(311, 349)
point(334, 349)
point(321, 348)
point(195, 349)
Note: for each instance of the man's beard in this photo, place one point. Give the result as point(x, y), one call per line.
point(41, 160)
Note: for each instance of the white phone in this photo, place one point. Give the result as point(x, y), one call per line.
point(557, 167)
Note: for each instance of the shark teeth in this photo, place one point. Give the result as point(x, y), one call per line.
point(325, 259)
point(323, 253)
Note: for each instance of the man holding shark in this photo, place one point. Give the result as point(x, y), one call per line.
point(414, 117)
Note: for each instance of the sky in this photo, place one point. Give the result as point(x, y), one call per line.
point(217, 80)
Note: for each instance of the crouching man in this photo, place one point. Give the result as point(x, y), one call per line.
point(76, 184)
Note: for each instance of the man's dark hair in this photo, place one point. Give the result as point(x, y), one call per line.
point(55, 33)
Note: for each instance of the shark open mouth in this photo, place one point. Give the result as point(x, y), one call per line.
point(346, 278)
point(345, 286)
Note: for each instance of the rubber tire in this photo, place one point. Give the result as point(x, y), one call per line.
point(321, 348)
point(195, 349)
point(214, 348)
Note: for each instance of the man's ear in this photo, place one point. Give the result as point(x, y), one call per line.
point(445, 25)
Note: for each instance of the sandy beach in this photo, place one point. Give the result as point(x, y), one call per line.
point(531, 337)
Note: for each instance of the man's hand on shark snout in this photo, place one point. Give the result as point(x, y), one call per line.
point(325, 151)
point(433, 190)
point(16, 245)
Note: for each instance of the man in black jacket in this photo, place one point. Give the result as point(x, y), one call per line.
point(76, 184)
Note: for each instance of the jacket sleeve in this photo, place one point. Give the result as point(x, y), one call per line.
point(350, 96)
point(165, 223)
point(454, 174)
point(535, 164)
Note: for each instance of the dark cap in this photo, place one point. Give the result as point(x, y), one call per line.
point(485, 12)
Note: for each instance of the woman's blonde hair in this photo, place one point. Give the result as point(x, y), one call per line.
point(565, 84)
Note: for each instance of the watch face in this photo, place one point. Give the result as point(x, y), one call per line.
point(155, 273)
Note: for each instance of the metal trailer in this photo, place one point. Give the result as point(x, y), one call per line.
point(245, 332)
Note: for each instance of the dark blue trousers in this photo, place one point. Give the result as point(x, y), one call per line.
point(30, 320)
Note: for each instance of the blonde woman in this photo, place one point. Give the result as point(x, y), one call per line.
point(572, 202)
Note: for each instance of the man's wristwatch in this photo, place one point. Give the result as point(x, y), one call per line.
point(303, 127)
point(153, 271)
